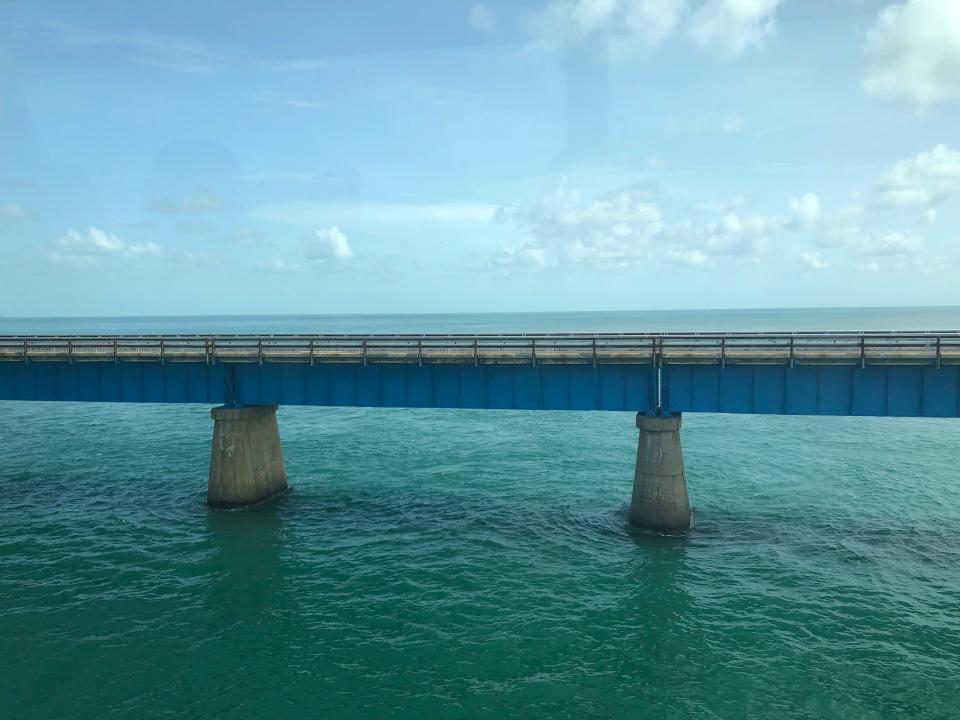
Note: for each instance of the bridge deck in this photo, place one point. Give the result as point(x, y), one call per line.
point(915, 374)
point(830, 348)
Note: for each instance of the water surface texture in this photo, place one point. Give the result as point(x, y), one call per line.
point(462, 564)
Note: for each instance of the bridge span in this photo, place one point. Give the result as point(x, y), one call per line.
point(657, 375)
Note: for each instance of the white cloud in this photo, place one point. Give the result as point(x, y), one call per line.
point(528, 254)
point(246, 237)
point(913, 52)
point(483, 17)
point(627, 227)
point(740, 236)
point(806, 208)
point(652, 21)
point(930, 215)
point(96, 245)
point(733, 123)
point(328, 244)
point(728, 27)
point(565, 228)
point(692, 258)
point(276, 263)
point(924, 180)
point(813, 260)
point(893, 243)
point(302, 65)
point(324, 248)
point(167, 52)
point(725, 28)
point(12, 211)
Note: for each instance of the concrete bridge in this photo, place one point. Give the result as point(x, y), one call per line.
point(660, 376)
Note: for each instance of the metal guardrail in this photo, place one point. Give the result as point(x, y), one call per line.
point(844, 348)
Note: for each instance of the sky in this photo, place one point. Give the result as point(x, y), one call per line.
point(441, 156)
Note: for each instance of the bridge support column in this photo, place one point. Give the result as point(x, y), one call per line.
point(246, 460)
point(659, 485)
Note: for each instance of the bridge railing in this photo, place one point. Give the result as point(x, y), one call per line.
point(926, 347)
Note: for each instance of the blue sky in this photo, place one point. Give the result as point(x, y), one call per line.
point(442, 156)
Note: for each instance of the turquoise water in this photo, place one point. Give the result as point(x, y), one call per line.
point(461, 564)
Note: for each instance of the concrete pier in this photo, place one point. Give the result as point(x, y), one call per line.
point(246, 460)
point(659, 485)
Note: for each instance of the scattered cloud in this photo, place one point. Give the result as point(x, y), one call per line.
point(565, 228)
point(629, 228)
point(924, 180)
point(806, 208)
point(733, 123)
point(324, 247)
point(273, 98)
point(654, 20)
point(199, 201)
point(723, 28)
point(892, 243)
point(654, 162)
point(726, 28)
point(301, 65)
point(96, 245)
point(276, 263)
point(483, 18)
point(328, 244)
point(168, 52)
point(526, 255)
point(913, 53)
point(691, 258)
point(813, 260)
point(11, 212)
point(304, 104)
point(193, 227)
point(245, 237)
point(279, 176)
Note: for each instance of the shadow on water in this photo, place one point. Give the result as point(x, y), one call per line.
point(246, 562)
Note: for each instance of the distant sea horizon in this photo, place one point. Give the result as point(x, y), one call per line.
point(945, 317)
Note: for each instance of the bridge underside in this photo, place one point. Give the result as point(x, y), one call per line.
point(881, 390)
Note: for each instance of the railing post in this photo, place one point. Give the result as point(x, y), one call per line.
point(260, 351)
point(420, 352)
point(594, 350)
point(938, 352)
point(70, 350)
point(533, 351)
point(25, 355)
point(863, 352)
point(311, 351)
point(476, 360)
point(723, 352)
point(116, 355)
point(364, 352)
point(791, 350)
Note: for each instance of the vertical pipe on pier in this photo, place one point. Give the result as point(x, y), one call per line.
point(660, 499)
point(246, 459)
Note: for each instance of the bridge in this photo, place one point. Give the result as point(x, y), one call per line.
point(658, 375)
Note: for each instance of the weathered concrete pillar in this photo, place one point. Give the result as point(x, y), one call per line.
point(659, 485)
point(246, 460)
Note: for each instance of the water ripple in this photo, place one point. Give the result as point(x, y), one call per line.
point(477, 564)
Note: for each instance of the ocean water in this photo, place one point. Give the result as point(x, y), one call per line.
point(478, 564)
